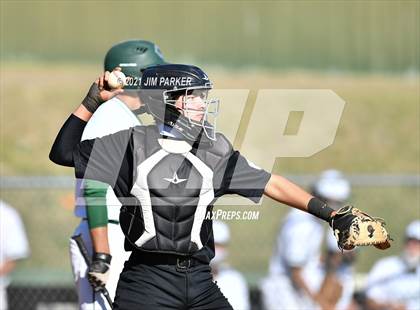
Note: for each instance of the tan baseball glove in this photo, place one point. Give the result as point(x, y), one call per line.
point(353, 227)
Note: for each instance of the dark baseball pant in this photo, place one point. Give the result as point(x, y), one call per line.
point(161, 286)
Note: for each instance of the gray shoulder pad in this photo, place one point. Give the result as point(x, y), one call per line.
point(220, 151)
point(217, 153)
point(141, 130)
point(221, 147)
point(139, 134)
point(147, 139)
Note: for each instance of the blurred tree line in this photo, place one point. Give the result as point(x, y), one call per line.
point(365, 36)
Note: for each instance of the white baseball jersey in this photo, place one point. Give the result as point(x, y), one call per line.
point(112, 116)
point(298, 244)
point(13, 244)
point(391, 281)
point(344, 273)
point(234, 287)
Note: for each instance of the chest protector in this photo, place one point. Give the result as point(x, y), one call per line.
point(174, 186)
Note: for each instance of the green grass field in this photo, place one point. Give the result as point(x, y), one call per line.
point(379, 133)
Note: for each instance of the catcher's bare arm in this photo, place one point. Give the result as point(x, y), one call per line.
point(284, 191)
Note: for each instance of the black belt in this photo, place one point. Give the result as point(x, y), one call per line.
point(146, 258)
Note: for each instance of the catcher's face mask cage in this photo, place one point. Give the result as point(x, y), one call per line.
point(202, 112)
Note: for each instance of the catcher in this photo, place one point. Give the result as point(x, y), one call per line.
point(168, 175)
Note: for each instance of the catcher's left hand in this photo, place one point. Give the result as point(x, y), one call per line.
point(98, 272)
point(353, 227)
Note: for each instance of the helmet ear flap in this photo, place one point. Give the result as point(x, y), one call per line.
point(155, 105)
point(171, 115)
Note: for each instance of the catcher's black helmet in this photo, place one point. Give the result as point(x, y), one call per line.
point(162, 85)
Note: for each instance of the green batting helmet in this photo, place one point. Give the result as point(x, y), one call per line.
point(133, 56)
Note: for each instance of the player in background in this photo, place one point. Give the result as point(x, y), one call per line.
point(394, 281)
point(231, 282)
point(96, 206)
point(13, 246)
point(297, 268)
point(336, 282)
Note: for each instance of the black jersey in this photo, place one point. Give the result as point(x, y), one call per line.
point(167, 186)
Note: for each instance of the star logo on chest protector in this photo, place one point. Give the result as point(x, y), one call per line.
point(175, 179)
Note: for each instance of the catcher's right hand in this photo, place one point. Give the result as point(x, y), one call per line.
point(100, 92)
point(353, 227)
point(99, 270)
